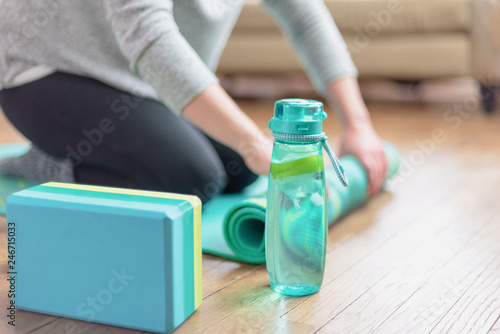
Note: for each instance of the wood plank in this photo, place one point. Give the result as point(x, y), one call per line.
point(63, 325)
point(387, 295)
point(495, 329)
point(222, 273)
point(245, 306)
point(424, 309)
point(478, 308)
point(413, 242)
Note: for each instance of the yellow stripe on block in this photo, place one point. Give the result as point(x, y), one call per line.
point(195, 201)
point(197, 256)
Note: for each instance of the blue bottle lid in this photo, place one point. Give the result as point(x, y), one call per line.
point(298, 117)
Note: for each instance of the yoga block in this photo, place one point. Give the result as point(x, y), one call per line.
point(114, 256)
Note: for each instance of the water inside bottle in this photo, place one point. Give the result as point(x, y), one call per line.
point(296, 260)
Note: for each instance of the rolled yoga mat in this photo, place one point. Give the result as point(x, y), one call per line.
point(233, 224)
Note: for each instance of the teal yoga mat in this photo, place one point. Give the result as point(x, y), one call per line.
point(233, 224)
point(9, 185)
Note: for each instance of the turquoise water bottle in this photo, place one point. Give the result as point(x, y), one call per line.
point(296, 225)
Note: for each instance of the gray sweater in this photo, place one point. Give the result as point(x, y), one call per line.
point(167, 50)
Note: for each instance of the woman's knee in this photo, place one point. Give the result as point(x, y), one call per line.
point(208, 181)
point(204, 179)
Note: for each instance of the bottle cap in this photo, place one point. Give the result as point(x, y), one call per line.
point(298, 117)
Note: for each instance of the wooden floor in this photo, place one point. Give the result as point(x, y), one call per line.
point(421, 257)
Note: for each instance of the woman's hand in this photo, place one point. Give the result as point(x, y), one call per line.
point(358, 135)
point(257, 155)
point(216, 114)
point(363, 142)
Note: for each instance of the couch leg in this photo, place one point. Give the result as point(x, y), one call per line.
point(488, 98)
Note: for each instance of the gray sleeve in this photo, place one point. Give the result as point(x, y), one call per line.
point(150, 39)
point(316, 39)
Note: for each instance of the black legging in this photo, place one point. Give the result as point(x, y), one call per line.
point(116, 139)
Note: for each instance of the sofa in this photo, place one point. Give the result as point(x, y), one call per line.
point(405, 40)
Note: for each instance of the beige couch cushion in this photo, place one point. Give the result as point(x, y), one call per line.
point(408, 16)
point(413, 57)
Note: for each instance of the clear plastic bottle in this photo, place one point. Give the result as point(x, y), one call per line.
point(296, 226)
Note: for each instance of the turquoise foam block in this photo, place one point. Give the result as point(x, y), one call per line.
point(121, 257)
point(233, 225)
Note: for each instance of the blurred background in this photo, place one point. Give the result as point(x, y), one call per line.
point(405, 50)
